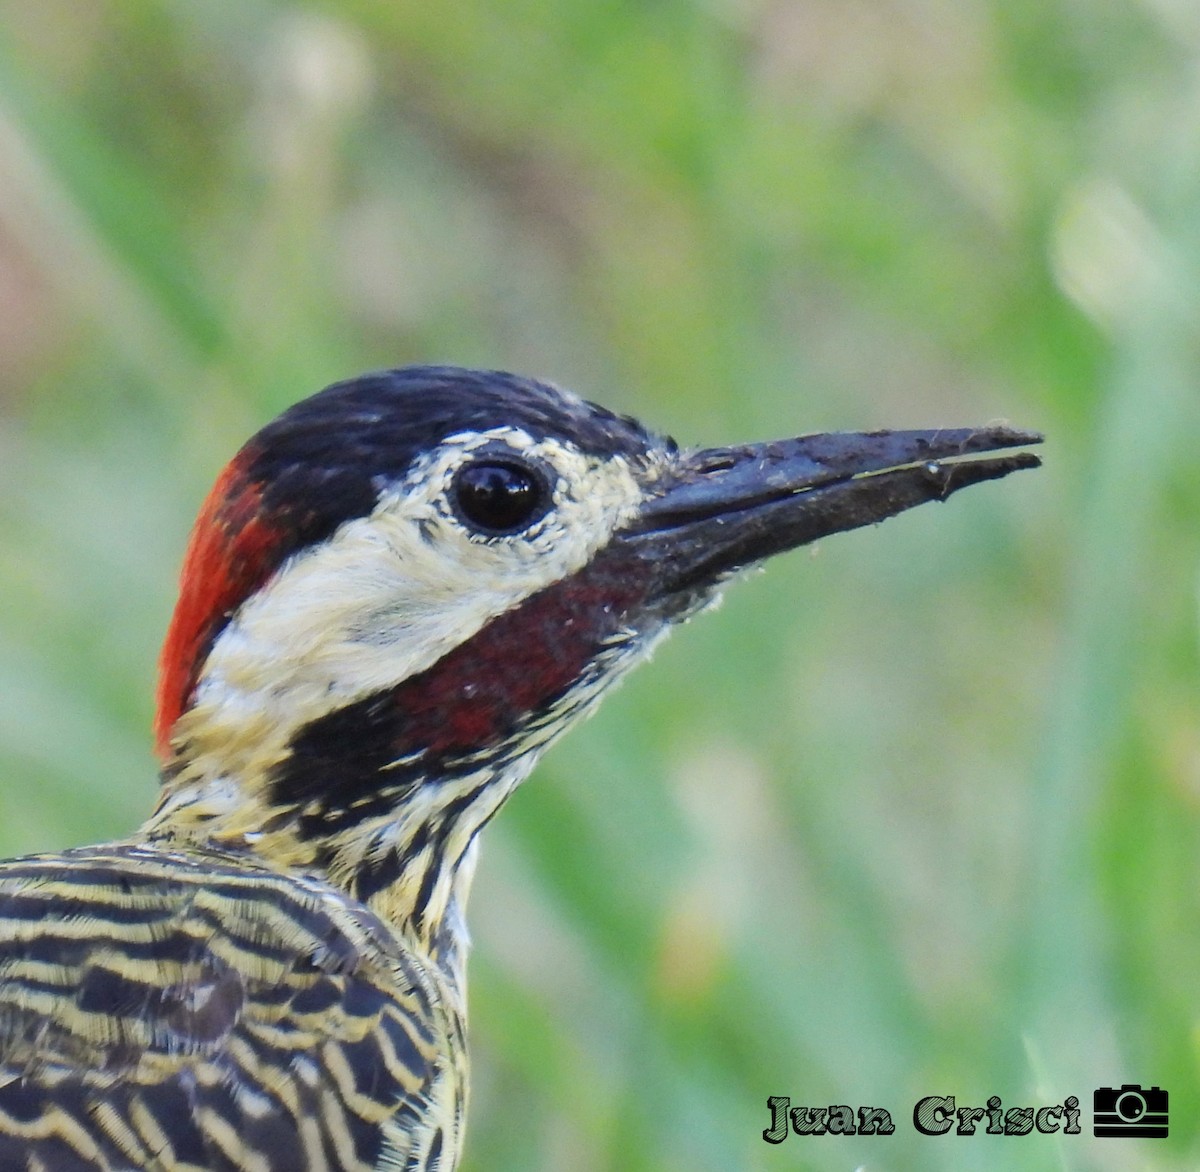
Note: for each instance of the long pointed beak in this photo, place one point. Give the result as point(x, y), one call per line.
point(722, 509)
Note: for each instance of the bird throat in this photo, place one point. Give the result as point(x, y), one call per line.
point(384, 795)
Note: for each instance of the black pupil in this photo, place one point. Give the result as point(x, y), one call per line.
point(498, 497)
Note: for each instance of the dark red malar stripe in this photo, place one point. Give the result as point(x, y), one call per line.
point(477, 702)
point(516, 666)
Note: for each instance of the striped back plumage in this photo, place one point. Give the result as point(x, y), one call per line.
point(170, 1009)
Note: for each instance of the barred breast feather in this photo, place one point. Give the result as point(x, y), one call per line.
point(186, 1010)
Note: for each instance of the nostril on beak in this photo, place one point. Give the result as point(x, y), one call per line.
point(718, 461)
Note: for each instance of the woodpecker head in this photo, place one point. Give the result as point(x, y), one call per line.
point(404, 587)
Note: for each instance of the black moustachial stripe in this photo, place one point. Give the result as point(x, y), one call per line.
point(474, 708)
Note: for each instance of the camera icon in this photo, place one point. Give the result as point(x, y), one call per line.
point(1132, 1111)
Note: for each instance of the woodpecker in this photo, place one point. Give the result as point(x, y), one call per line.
point(396, 596)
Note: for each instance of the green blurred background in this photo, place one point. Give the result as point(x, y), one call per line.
point(917, 814)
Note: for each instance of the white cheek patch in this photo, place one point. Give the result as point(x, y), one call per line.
point(390, 594)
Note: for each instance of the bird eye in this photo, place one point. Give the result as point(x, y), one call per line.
point(500, 496)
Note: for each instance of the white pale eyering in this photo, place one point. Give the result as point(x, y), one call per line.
point(391, 593)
